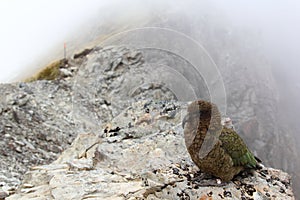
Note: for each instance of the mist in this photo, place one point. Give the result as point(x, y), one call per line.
point(31, 29)
point(277, 22)
point(262, 37)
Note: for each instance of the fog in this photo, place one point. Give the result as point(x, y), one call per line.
point(30, 29)
point(278, 24)
point(266, 33)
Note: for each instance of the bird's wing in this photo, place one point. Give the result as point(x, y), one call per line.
point(237, 149)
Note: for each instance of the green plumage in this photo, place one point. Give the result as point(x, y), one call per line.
point(237, 149)
point(215, 149)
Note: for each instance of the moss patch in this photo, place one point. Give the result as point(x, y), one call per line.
point(50, 72)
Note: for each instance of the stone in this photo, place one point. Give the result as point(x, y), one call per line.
point(65, 72)
point(140, 155)
point(3, 195)
point(151, 166)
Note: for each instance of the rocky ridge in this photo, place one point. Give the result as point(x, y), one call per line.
point(130, 142)
point(146, 160)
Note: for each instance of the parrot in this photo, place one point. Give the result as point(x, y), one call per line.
point(215, 149)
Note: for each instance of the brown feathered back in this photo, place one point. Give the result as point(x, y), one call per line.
point(203, 117)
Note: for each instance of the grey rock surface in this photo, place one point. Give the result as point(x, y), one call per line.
point(254, 83)
point(130, 142)
point(131, 163)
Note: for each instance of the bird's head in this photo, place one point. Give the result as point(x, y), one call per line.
point(204, 111)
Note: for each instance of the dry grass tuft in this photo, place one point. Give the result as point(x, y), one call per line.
point(50, 72)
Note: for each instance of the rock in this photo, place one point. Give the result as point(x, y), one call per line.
point(3, 195)
point(65, 72)
point(154, 165)
point(47, 115)
point(83, 53)
point(128, 136)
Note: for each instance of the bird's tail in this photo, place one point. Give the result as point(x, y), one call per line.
point(259, 164)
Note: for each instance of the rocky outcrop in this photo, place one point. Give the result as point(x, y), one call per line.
point(35, 126)
point(39, 119)
point(141, 155)
point(130, 143)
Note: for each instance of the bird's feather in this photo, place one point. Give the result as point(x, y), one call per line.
point(237, 149)
point(215, 149)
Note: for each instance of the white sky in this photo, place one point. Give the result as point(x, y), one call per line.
point(29, 28)
point(278, 21)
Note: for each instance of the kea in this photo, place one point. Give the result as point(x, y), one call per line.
point(215, 149)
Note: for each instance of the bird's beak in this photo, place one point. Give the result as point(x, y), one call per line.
point(185, 119)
